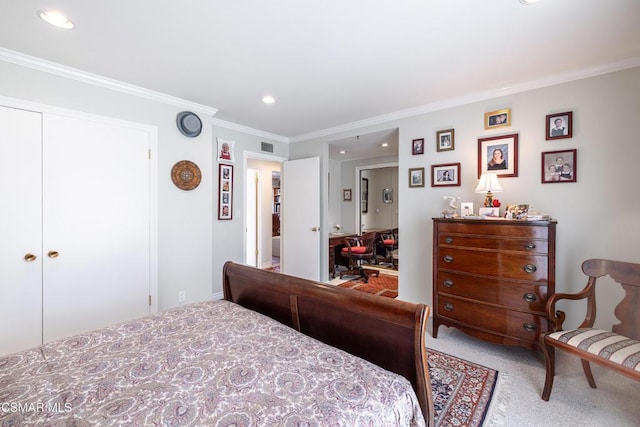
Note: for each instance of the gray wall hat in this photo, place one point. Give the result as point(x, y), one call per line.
point(189, 124)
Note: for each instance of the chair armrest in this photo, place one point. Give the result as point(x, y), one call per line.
point(557, 317)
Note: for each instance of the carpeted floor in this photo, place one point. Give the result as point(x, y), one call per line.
point(462, 391)
point(383, 285)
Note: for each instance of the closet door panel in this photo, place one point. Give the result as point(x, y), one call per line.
point(20, 229)
point(96, 205)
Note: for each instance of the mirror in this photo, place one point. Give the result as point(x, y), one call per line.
point(387, 195)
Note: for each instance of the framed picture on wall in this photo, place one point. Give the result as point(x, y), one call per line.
point(559, 166)
point(417, 146)
point(498, 118)
point(416, 177)
point(225, 150)
point(364, 195)
point(447, 175)
point(498, 154)
point(445, 140)
point(346, 195)
point(559, 125)
point(225, 192)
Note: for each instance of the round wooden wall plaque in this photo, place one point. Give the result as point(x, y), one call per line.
point(186, 175)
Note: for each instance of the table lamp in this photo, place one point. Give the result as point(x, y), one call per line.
point(488, 184)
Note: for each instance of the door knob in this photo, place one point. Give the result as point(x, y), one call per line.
point(53, 254)
point(315, 228)
point(30, 257)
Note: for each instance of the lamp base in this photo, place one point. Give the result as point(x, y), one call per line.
point(488, 200)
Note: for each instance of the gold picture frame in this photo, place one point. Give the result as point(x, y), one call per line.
point(497, 119)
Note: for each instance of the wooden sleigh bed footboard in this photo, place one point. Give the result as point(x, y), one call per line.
point(387, 332)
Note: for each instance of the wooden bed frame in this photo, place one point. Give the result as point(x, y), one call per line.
point(384, 331)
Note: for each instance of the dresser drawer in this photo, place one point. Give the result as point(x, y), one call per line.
point(495, 228)
point(513, 295)
point(502, 321)
point(533, 246)
point(495, 264)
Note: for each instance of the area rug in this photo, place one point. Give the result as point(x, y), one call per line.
point(383, 285)
point(462, 390)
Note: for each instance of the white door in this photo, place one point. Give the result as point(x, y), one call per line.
point(96, 216)
point(20, 230)
point(300, 225)
point(251, 215)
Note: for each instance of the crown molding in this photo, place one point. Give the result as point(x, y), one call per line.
point(96, 80)
point(251, 131)
point(471, 98)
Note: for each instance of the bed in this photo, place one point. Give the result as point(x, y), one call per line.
point(277, 350)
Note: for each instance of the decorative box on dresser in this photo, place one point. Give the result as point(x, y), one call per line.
point(492, 278)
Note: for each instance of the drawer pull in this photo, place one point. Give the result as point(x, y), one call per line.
point(530, 297)
point(530, 268)
point(448, 259)
point(529, 327)
point(530, 245)
point(449, 307)
point(448, 283)
point(448, 240)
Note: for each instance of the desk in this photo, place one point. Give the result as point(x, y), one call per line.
point(336, 243)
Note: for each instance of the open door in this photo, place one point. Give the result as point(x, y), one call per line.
point(300, 227)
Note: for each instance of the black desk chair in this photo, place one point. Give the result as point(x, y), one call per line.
point(358, 250)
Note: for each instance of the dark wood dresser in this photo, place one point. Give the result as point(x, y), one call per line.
point(491, 278)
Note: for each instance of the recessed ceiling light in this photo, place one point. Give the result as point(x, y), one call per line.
point(384, 144)
point(343, 151)
point(268, 99)
point(529, 2)
point(56, 19)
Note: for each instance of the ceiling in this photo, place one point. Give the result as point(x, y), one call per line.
point(331, 65)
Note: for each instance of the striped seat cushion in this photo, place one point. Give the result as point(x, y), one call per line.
point(607, 345)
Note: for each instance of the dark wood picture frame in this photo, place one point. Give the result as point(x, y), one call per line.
point(559, 166)
point(416, 177)
point(225, 191)
point(497, 119)
point(364, 194)
point(445, 175)
point(417, 146)
point(346, 195)
point(562, 129)
point(507, 145)
point(445, 140)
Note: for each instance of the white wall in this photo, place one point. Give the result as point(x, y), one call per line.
point(598, 216)
point(192, 243)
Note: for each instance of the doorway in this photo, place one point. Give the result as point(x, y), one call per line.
point(259, 210)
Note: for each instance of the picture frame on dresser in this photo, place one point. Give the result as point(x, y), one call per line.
point(445, 175)
point(499, 155)
point(559, 166)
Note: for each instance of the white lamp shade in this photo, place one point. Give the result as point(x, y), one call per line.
point(488, 183)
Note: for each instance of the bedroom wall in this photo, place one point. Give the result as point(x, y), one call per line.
point(192, 243)
point(598, 216)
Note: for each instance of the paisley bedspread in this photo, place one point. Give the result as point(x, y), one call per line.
point(206, 364)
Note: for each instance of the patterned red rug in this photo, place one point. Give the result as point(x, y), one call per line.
point(383, 285)
point(462, 390)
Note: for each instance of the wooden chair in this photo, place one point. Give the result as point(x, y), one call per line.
point(618, 349)
point(389, 242)
point(358, 250)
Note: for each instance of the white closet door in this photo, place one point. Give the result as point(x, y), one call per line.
point(96, 209)
point(20, 229)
